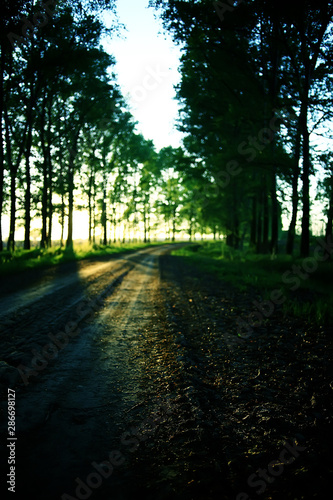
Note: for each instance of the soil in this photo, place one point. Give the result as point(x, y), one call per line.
point(132, 380)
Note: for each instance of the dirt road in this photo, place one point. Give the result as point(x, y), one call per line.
point(131, 382)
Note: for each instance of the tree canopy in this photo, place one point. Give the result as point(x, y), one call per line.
point(255, 89)
point(256, 77)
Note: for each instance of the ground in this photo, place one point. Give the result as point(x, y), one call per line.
point(132, 380)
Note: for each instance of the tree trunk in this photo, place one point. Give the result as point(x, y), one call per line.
point(2, 158)
point(275, 86)
point(253, 234)
point(275, 215)
point(265, 217)
point(295, 196)
point(104, 203)
point(13, 173)
point(29, 118)
point(69, 242)
point(235, 217)
point(190, 230)
point(13, 168)
point(11, 237)
point(50, 213)
point(50, 177)
point(259, 228)
point(90, 206)
point(104, 217)
point(230, 240)
point(145, 223)
point(27, 196)
point(305, 238)
point(329, 224)
point(43, 241)
point(309, 64)
point(62, 219)
point(71, 170)
point(94, 216)
point(292, 225)
point(149, 228)
point(173, 224)
point(114, 222)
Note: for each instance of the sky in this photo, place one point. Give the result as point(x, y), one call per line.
point(147, 69)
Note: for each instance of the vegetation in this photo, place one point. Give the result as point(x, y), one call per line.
point(21, 260)
point(72, 145)
point(308, 294)
point(255, 92)
point(256, 86)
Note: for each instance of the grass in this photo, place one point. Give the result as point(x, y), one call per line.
point(309, 293)
point(311, 298)
point(21, 260)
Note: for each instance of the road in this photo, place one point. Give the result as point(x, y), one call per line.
point(77, 386)
point(130, 381)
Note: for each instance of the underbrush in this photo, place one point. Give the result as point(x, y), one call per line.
point(306, 283)
point(20, 260)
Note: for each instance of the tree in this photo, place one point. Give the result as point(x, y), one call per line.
point(325, 192)
point(238, 77)
point(43, 55)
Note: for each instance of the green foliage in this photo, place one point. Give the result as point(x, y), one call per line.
point(21, 260)
point(244, 88)
point(246, 96)
point(246, 271)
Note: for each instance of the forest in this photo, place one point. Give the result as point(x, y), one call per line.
point(255, 108)
point(184, 351)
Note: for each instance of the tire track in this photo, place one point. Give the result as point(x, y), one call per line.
point(27, 317)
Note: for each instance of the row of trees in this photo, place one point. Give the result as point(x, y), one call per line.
point(67, 139)
point(256, 83)
point(54, 82)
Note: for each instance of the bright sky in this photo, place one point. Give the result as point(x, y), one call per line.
point(147, 70)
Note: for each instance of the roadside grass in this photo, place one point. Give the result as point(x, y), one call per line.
point(309, 294)
point(21, 260)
